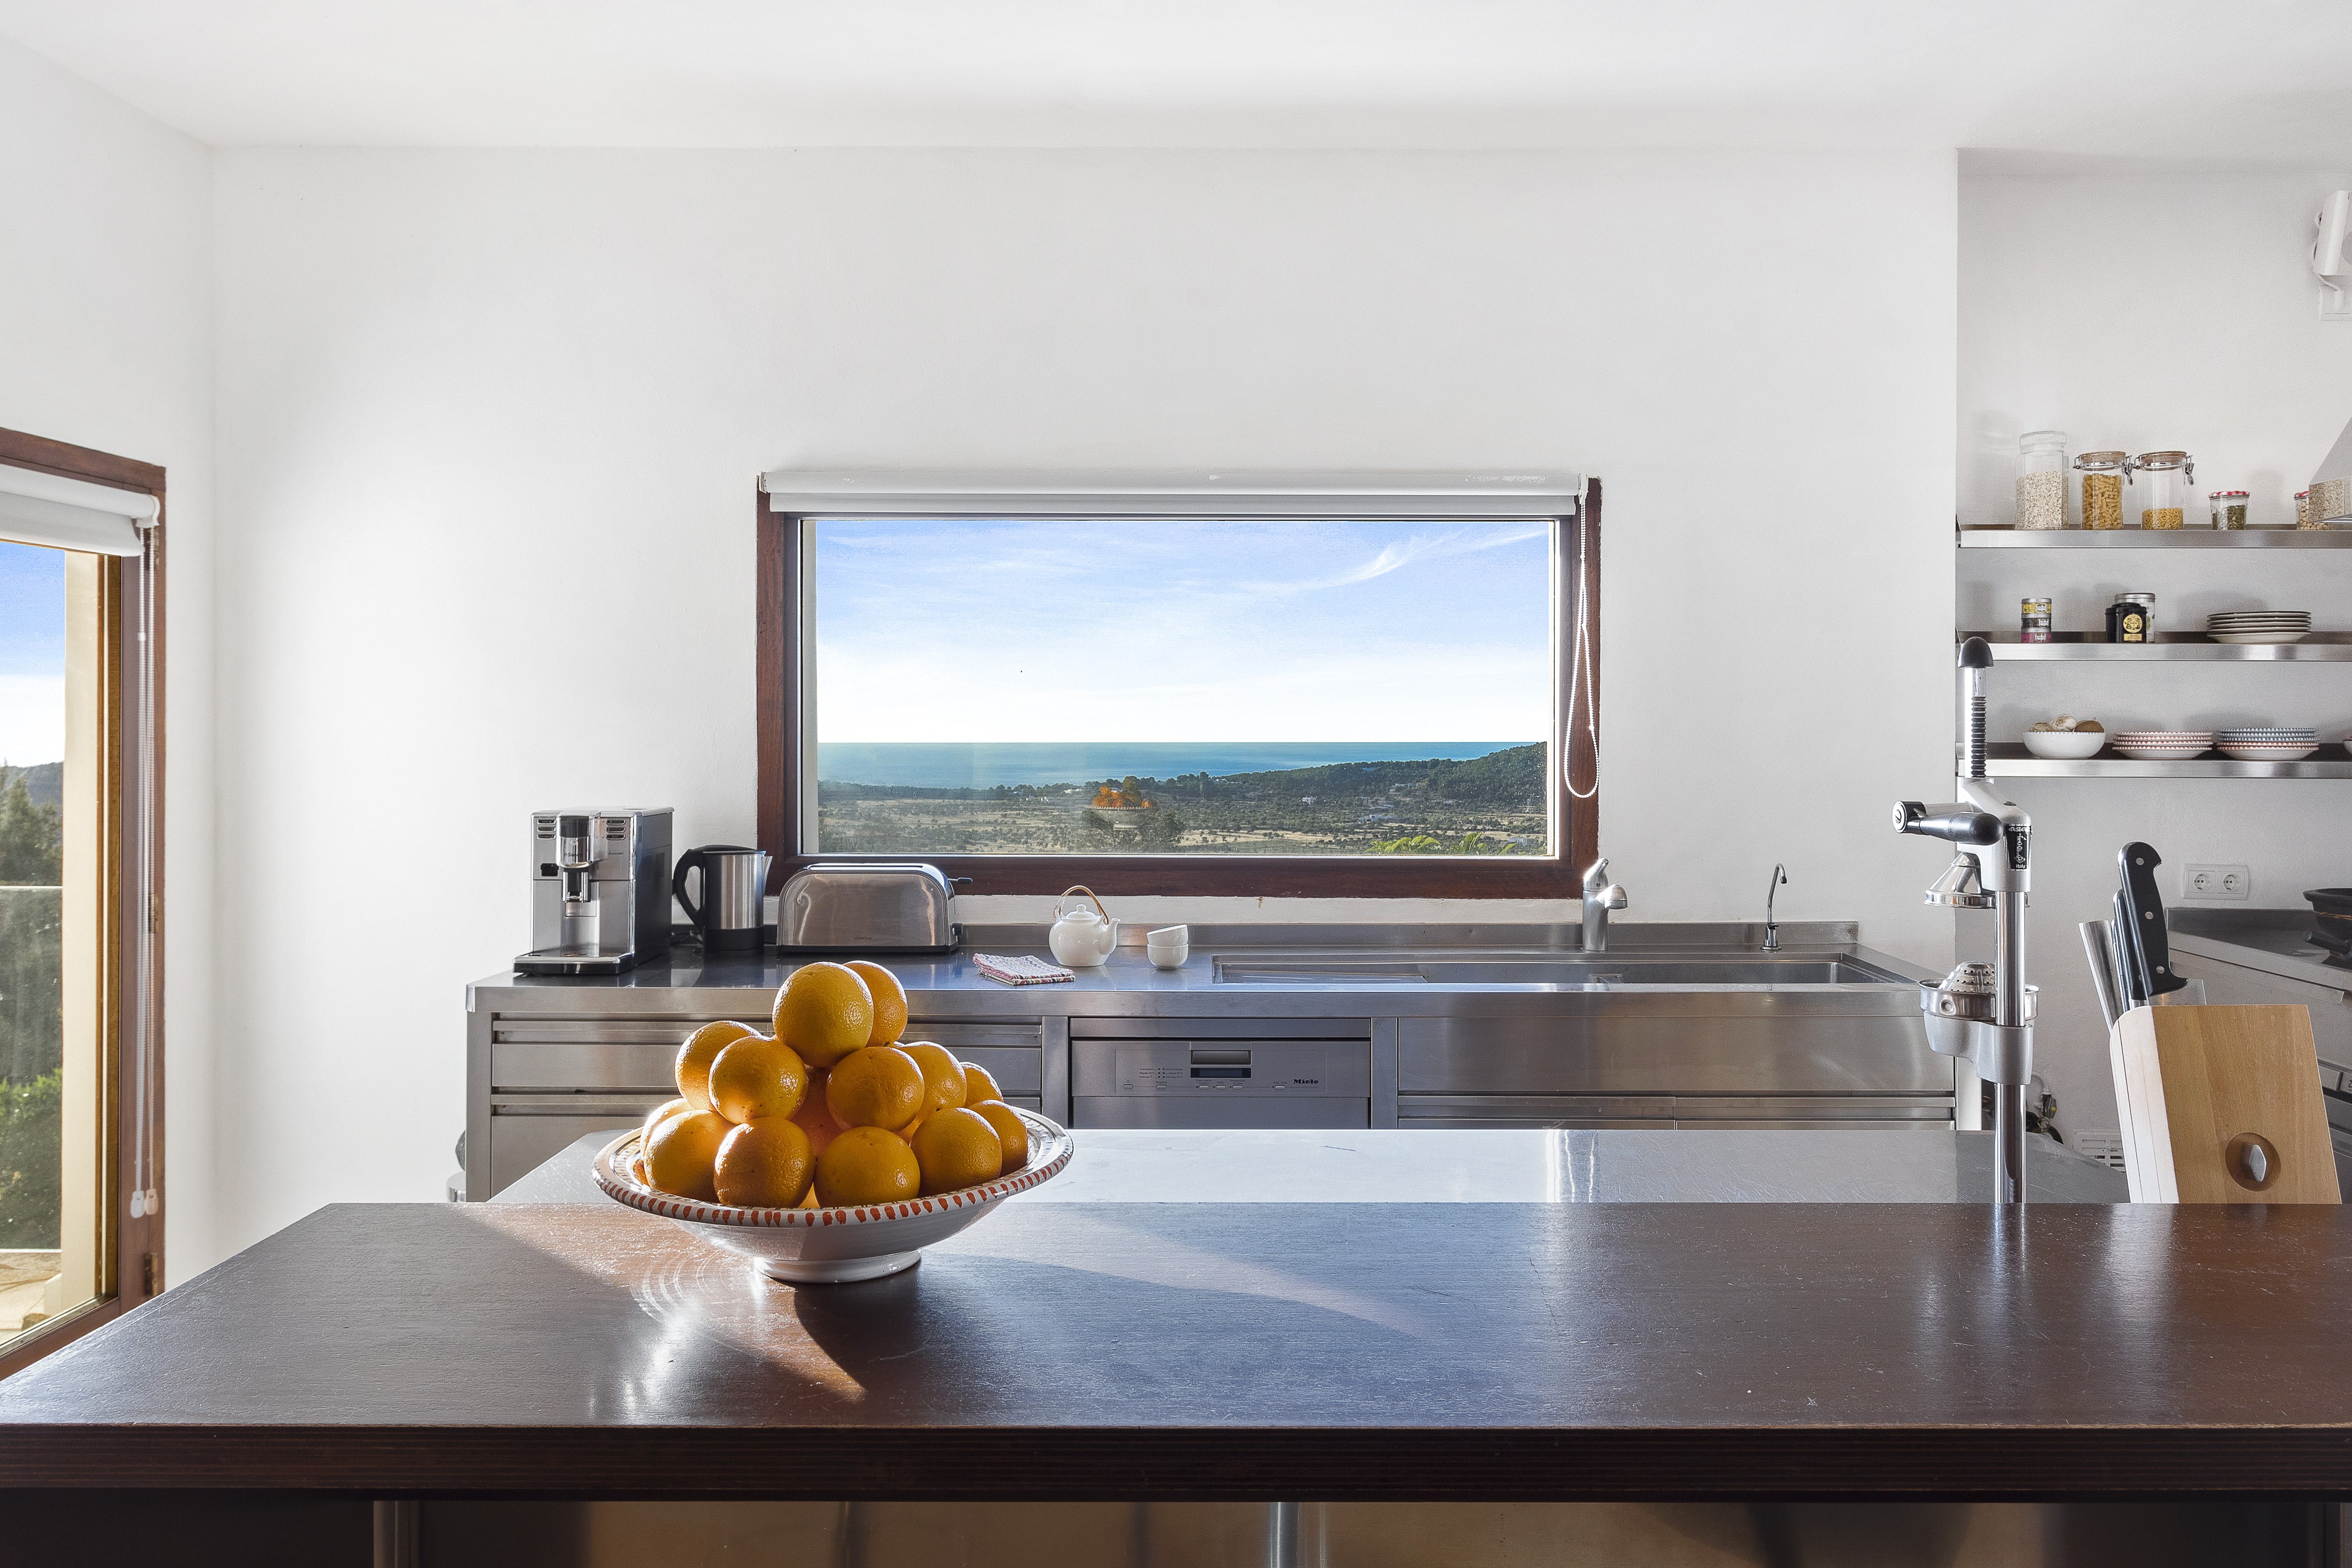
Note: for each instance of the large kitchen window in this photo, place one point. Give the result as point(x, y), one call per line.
point(80, 1183)
point(1290, 691)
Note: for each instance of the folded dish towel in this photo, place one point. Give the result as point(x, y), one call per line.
point(1021, 971)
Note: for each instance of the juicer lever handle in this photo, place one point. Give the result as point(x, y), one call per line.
point(1958, 823)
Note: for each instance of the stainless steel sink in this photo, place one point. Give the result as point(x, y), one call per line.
point(1603, 972)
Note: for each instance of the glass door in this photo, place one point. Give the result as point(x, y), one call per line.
point(54, 1099)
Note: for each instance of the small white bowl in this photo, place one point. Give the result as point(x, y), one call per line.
point(1169, 947)
point(836, 1246)
point(2064, 745)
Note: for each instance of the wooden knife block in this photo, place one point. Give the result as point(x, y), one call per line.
point(2222, 1106)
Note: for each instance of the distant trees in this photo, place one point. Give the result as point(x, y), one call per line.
point(32, 836)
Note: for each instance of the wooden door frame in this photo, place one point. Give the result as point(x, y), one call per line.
point(134, 1269)
point(778, 683)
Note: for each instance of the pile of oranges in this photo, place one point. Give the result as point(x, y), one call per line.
point(830, 1110)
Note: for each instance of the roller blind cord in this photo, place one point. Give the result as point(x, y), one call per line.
point(1579, 678)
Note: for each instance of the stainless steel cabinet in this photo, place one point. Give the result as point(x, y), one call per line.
point(1686, 1063)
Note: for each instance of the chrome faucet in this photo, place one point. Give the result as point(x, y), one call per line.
point(1601, 896)
point(1771, 927)
point(1984, 1012)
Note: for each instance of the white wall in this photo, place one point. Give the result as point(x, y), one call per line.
point(106, 341)
point(2142, 310)
point(488, 424)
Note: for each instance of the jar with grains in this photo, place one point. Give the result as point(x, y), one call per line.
point(2161, 483)
point(2229, 509)
point(2331, 503)
point(2103, 488)
point(2303, 511)
point(2041, 479)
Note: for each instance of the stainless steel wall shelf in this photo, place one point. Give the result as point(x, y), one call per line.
point(2142, 538)
point(2169, 647)
point(2013, 761)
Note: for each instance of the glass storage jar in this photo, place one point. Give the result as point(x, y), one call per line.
point(2103, 488)
point(2331, 503)
point(2161, 483)
point(2229, 508)
point(2302, 510)
point(2041, 479)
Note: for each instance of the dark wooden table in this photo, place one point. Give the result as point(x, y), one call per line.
point(1115, 1350)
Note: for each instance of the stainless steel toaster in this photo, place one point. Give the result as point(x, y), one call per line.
point(867, 906)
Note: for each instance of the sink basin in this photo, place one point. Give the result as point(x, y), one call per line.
point(1602, 971)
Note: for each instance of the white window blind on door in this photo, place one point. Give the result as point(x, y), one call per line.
point(38, 509)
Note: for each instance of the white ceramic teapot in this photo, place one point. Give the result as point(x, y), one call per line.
point(1082, 937)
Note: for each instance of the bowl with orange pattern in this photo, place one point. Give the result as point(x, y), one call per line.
point(834, 1246)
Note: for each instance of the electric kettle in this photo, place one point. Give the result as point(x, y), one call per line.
point(733, 886)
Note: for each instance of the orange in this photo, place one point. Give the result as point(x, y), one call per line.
point(764, 1163)
point(654, 1118)
point(889, 1001)
point(757, 1078)
point(978, 1084)
point(956, 1147)
point(878, 1087)
point(867, 1165)
point(700, 1049)
point(685, 1149)
point(815, 1117)
point(942, 1076)
point(1011, 1132)
point(824, 1012)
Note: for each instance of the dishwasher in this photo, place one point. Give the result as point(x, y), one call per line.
point(1221, 1073)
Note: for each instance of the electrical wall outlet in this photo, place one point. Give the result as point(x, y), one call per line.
point(2215, 882)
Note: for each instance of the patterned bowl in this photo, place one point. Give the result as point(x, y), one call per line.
point(836, 1246)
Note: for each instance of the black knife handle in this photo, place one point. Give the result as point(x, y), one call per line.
point(2145, 905)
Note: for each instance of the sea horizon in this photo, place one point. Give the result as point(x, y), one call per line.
point(982, 765)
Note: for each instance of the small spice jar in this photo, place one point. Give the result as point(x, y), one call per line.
point(2229, 509)
point(2103, 488)
point(2302, 510)
point(2161, 483)
point(2033, 620)
point(2132, 617)
point(2041, 479)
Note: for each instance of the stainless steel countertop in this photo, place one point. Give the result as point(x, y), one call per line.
point(1386, 1165)
point(2271, 940)
point(1130, 984)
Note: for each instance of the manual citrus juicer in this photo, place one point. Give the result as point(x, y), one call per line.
point(1984, 1012)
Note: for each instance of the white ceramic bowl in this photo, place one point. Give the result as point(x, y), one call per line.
point(836, 1246)
point(2068, 745)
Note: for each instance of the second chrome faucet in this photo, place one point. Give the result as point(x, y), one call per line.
point(1771, 926)
point(1601, 896)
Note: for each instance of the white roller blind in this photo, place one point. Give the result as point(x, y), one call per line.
point(38, 509)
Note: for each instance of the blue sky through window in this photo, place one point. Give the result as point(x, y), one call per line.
point(1182, 629)
point(32, 654)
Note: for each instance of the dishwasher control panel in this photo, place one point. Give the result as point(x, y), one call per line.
point(1221, 1073)
point(1313, 1069)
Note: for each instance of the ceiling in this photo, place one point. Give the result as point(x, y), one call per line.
point(2253, 80)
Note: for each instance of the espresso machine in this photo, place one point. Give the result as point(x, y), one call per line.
point(600, 891)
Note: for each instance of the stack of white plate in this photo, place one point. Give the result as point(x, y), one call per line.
point(2267, 744)
point(2259, 625)
point(2162, 745)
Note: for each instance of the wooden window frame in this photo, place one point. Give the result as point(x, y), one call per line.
point(779, 686)
point(132, 1263)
